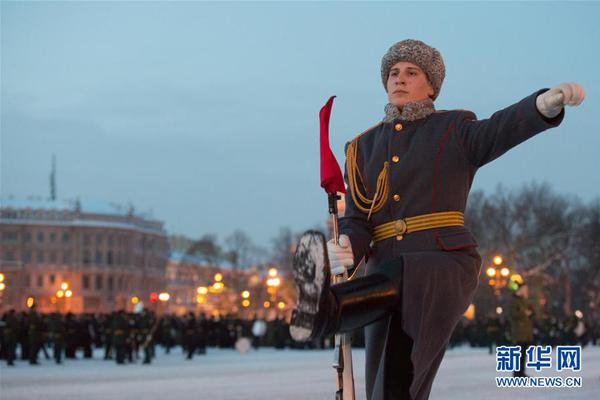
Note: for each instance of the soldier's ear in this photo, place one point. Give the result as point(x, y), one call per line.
point(430, 90)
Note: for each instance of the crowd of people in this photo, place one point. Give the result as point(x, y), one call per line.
point(132, 337)
point(127, 337)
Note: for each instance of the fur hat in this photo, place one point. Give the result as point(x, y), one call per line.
point(414, 51)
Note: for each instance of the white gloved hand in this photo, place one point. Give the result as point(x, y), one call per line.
point(551, 102)
point(340, 255)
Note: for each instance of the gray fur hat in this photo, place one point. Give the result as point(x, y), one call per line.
point(414, 51)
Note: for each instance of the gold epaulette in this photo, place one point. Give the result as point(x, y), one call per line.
point(362, 202)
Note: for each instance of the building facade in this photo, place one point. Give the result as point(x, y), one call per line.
point(79, 257)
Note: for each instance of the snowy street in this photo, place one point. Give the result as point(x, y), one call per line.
point(264, 374)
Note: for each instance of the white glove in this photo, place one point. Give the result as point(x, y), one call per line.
point(340, 255)
point(551, 102)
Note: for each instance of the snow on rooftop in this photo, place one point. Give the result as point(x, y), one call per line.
point(87, 206)
point(180, 256)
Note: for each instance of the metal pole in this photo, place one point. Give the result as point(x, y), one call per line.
point(342, 355)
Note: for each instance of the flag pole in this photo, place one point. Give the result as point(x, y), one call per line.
point(333, 182)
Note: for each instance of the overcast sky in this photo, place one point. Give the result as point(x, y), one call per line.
point(207, 113)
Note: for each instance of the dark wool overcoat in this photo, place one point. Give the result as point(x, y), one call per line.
point(437, 157)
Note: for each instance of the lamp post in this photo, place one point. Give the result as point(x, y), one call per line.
point(273, 282)
point(64, 294)
point(498, 274)
point(2, 287)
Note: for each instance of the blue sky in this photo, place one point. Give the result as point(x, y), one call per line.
point(206, 113)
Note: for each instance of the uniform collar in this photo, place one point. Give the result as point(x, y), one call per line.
point(410, 112)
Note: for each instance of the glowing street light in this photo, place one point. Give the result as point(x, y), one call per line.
point(499, 310)
point(64, 286)
point(30, 302)
point(267, 304)
point(164, 296)
point(246, 303)
point(245, 294)
point(2, 286)
point(218, 277)
point(281, 305)
point(68, 293)
point(272, 272)
point(498, 274)
point(135, 300)
point(1, 277)
point(202, 290)
point(60, 294)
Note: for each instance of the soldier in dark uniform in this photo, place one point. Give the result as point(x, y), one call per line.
point(166, 332)
point(71, 336)
point(409, 177)
point(146, 334)
point(189, 335)
point(10, 335)
point(202, 334)
point(120, 331)
point(107, 323)
point(56, 327)
point(35, 330)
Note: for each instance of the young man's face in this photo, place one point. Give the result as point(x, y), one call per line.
point(407, 83)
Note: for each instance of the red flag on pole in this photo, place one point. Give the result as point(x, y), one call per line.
point(331, 175)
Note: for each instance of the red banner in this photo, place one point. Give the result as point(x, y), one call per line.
point(331, 175)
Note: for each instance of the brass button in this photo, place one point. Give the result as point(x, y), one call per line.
point(399, 237)
point(396, 197)
point(398, 127)
point(395, 158)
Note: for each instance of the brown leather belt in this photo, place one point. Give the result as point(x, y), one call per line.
point(401, 227)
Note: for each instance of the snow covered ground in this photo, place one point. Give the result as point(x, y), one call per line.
point(264, 374)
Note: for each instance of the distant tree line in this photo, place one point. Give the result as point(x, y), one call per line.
point(551, 239)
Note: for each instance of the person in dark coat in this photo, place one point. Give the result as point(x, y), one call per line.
point(409, 177)
point(189, 335)
point(56, 326)
point(10, 335)
point(35, 330)
point(120, 334)
point(71, 336)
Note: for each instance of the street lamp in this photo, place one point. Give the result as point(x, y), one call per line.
point(497, 274)
point(273, 283)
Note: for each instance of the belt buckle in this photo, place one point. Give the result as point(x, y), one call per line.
point(400, 228)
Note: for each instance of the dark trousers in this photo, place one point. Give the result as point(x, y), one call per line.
point(58, 349)
point(521, 371)
point(120, 349)
point(10, 348)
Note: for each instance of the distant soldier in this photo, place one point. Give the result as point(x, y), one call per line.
point(521, 328)
point(35, 330)
point(108, 335)
point(147, 331)
point(120, 331)
point(71, 338)
point(11, 332)
point(56, 326)
point(202, 334)
point(166, 332)
point(85, 335)
point(189, 335)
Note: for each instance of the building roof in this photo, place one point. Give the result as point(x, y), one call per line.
point(90, 213)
